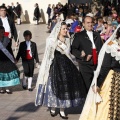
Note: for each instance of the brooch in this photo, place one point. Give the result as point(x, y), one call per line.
point(110, 43)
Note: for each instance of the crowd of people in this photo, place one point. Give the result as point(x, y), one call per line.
point(88, 34)
point(9, 73)
point(16, 13)
point(105, 18)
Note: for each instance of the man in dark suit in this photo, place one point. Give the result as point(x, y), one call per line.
point(28, 52)
point(8, 24)
point(13, 12)
point(18, 11)
point(85, 47)
point(49, 12)
point(37, 14)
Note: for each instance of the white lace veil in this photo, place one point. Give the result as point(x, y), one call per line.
point(51, 43)
point(91, 95)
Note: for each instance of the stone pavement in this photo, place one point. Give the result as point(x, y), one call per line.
point(20, 104)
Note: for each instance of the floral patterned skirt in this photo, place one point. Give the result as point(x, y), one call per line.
point(65, 87)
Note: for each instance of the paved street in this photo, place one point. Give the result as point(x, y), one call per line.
point(20, 104)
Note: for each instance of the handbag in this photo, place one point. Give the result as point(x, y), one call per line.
point(34, 18)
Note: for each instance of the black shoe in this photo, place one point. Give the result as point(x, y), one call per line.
point(52, 114)
point(24, 87)
point(63, 117)
point(30, 89)
point(2, 91)
point(8, 91)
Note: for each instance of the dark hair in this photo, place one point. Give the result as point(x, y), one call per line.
point(2, 28)
point(86, 17)
point(26, 33)
point(118, 33)
point(105, 23)
point(63, 23)
point(3, 7)
point(36, 4)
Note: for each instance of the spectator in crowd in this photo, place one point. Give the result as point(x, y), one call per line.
point(74, 24)
point(49, 12)
point(37, 14)
point(107, 32)
point(13, 12)
point(100, 26)
point(18, 12)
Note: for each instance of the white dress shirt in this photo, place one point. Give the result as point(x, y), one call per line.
point(28, 43)
point(6, 25)
point(90, 35)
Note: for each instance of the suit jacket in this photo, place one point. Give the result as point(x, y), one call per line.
point(82, 42)
point(12, 27)
point(49, 11)
point(22, 51)
point(18, 9)
point(37, 13)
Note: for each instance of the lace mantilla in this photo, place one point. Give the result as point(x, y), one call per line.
point(114, 49)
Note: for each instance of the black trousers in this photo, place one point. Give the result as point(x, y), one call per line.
point(28, 67)
point(87, 72)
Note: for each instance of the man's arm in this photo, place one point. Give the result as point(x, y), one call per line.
point(14, 32)
point(36, 54)
point(19, 53)
point(75, 48)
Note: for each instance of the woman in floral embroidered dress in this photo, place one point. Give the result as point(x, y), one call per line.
point(108, 84)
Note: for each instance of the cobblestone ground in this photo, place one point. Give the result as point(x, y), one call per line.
point(20, 104)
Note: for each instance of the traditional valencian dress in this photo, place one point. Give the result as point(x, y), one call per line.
point(8, 70)
point(64, 87)
point(109, 83)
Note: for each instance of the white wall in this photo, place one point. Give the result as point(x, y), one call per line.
point(28, 7)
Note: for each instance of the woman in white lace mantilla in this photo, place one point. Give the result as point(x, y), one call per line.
point(103, 99)
point(59, 83)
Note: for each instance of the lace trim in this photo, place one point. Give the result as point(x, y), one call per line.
point(114, 50)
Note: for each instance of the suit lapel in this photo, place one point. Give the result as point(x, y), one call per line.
point(1, 22)
point(25, 45)
point(9, 22)
point(94, 37)
point(31, 45)
point(86, 35)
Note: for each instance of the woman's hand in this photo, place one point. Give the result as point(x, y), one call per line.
point(95, 89)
